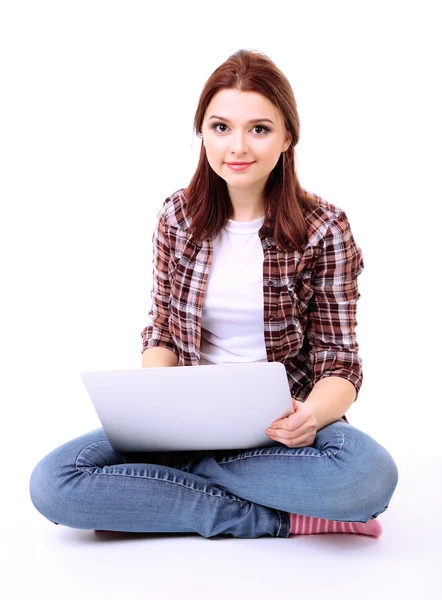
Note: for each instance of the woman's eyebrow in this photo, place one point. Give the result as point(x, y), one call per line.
point(263, 120)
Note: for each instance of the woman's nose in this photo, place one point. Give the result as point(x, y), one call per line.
point(239, 143)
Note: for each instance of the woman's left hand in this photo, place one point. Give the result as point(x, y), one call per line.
point(297, 430)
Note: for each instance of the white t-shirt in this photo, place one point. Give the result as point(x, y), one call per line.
point(233, 318)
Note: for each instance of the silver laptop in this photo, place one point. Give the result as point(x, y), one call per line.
point(206, 407)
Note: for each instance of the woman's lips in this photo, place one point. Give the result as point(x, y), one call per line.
point(239, 166)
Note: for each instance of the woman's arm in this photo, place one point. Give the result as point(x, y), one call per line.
point(156, 335)
point(159, 357)
point(337, 367)
point(330, 399)
point(327, 402)
point(331, 329)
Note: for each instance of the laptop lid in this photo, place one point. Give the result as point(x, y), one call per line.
point(203, 407)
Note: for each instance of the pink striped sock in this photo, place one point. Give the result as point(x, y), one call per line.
point(302, 525)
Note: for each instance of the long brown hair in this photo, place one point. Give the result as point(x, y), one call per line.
point(207, 197)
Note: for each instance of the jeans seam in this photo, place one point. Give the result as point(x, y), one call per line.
point(285, 454)
point(223, 495)
point(94, 445)
point(281, 523)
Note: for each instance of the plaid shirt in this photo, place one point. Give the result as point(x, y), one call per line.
point(309, 297)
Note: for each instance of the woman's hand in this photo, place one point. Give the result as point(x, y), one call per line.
point(296, 430)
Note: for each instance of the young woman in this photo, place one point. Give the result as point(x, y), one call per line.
point(248, 267)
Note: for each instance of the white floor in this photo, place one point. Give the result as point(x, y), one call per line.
point(44, 561)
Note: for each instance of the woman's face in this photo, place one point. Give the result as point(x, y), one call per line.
point(244, 135)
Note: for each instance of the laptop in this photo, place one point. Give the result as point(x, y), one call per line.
point(202, 407)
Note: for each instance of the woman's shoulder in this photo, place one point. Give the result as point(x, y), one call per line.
point(174, 210)
point(321, 216)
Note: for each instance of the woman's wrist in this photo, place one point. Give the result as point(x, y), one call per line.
point(330, 399)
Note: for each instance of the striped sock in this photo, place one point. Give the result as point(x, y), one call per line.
point(302, 525)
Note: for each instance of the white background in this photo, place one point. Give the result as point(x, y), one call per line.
point(97, 102)
point(96, 110)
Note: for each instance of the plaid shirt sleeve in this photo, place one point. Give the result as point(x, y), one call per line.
point(156, 333)
point(332, 308)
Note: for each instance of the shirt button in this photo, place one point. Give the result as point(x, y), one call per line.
point(271, 317)
point(271, 283)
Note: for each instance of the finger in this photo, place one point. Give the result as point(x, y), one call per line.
point(289, 427)
point(280, 434)
point(282, 422)
point(291, 423)
point(299, 441)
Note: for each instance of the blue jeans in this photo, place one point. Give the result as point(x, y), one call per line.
point(346, 476)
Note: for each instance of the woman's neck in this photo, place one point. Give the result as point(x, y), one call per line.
point(247, 205)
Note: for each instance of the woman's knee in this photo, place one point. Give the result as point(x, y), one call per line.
point(44, 487)
point(384, 479)
point(55, 481)
point(372, 475)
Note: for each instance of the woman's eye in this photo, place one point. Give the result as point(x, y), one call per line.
point(220, 127)
point(260, 129)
